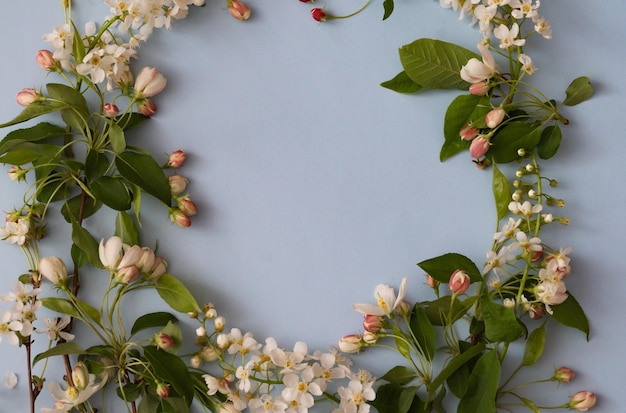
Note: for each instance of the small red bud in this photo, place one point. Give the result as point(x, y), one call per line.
point(318, 14)
point(239, 10)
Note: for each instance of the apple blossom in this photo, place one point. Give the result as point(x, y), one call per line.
point(163, 390)
point(386, 300)
point(479, 88)
point(479, 147)
point(564, 375)
point(239, 10)
point(476, 71)
point(80, 376)
point(164, 341)
point(351, 343)
point(459, 282)
point(158, 269)
point(27, 96)
point(147, 107)
point(111, 110)
point(45, 60)
point(188, 207)
point(110, 252)
point(508, 36)
point(16, 173)
point(179, 218)
point(178, 184)
point(149, 82)
point(176, 159)
point(468, 132)
point(219, 324)
point(582, 401)
point(372, 323)
point(53, 269)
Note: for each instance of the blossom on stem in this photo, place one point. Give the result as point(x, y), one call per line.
point(459, 282)
point(15, 231)
point(372, 323)
point(582, 401)
point(476, 71)
point(111, 110)
point(53, 269)
point(9, 327)
point(187, 206)
point(508, 36)
point(149, 82)
point(352, 343)
point(110, 252)
point(468, 132)
point(55, 328)
point(564, 375)
point(479, 88)
point(318, 14)
point(239, 10)
point(176, 159)
point(27, 96)
point(479, 147)
point(495, 117)
point(147, 107)
point(386, 300)
point(45, 60)
point(178, 184)
point(66, 400)
point(354, 398)
point(179, 218)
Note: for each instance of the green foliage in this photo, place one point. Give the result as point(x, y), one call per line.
point(424, 332)
point(482, 385)
point(464, 110)
point(402, 83)
point(442, 267)
point(534, 345)
point(512, 137)
point(500, 322)
point(571, 314)
point(501, 193)
point(578, 91)
point(400, 375)
point(388, 7)
point(550, 142)
point(175, 294)
point(60, 349)
point(172, 370)
point(152, 320)
point(143, 171)
point(126, 229)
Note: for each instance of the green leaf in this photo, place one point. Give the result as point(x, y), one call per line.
point(550, 142)
point(175, 294)
point(512, 137)
point(39, 132)
point(402, 83)
point(126, 229)
point(458, 380)
point(59, 350)
point(578, 91)
point(87, 243)
point(201, 392)
point(96, 165)
point(424, 332)
point(61, 305)
point(408, 396)
point(435, 64)
point(77, 112)
point(482, 386)
point(571, 314)
point(452, 365)
point(501, 192)
point(116, 136)
point(399, 375)
point(500, 322)
point(170, 369)
point(534, 345)
point(129, 392)
point(401, 345)
point(529, 403)
point(463, 110)
point(387, 397)
point(443, 311)
point(112, 192)
point(442, 267)
point(130, 120)
point(152, 320)
point(71, 208)
point(143, 171)
point(388, 6)
point(34, 110)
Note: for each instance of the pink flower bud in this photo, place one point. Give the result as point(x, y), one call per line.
point(564, 375)
point(27, 96)
point(351, 343)
point(163, 390)
point(468, 133)
point(45, 60)
point(164, 341)
point(239, 10)
point(127, 275)
point(318, 14)
point(16, 173)
point(459, 282)
point(146, 260)
point(479, 88)
point(176, 159)
point(495, 117)
point(159, 268)
point(179, 218)
point(187, 206)
point(53, 269)
point(432, 283)
point(582, 401)
point(372, 323)
point(110, 252)
point(479, 147)
point(111, 110)
point(178, 184)
point(149, 82)
point(147, 107)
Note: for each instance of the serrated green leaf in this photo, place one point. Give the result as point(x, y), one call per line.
point(77, 112)
point(399, 375)
point(571, 314)
point(550, 142)
point(501, 192)
point(143, 171)
point(578, 91)
point(402, 83)
point(511, 138)
point(175, 294)
point(112, 192)
point(482, 386)
point(534, 345)
point(152, 320)
point(442, 267)
point(435, 64)
point(59, 350)
point(500, 322)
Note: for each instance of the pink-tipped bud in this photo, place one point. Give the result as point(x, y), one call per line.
point(45, 60)
point(159, 268)
point(459, 282)
point(351, 343)
point(177, 159)
point(372, 323)
point(27, 96)
point(239, 10)
point(147, 107)
point(149, 82)
point(479, 147)
point(111, 110)
point(53, 269)
point(179, 218)
point(495, 117)
point(16, 173)
point(163, 390)
point(479, 88)
point(187, 206)
point(432, 283)
point(126, 275)
point(178, 184)
point(564, 375)
point(318, 14)
point(164, 341)
point(582, 401)
point(467, 133)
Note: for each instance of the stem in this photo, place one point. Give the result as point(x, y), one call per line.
point(33, 392)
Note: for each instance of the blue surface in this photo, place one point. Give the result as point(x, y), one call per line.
point(314, 183)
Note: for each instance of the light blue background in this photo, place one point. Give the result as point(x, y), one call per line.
point(314, 183)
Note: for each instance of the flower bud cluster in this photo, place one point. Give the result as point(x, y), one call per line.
point(128, 263)
point(185, 207)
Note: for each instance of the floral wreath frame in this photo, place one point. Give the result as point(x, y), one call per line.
point(521, 278)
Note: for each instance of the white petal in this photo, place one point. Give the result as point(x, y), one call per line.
point(10, 380)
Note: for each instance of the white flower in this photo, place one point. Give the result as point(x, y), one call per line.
point(497, 260)
point(55, 328)
point(19, 294)
point(476, 71)
point(110, 253)
point(9, 328)
point(10, 380)
point(533, 244)
point(508, 36)
point(524, 8)
point(386, 300)
point(301, 389)
point(66, 400)
point(15, 232)
point(243, 373)
point(266, 403)
point(508, 231)
point(354, 398)
point(527, 64)
point(242, 344)
point(485, 16)
point(289, 361)
point(542, 27)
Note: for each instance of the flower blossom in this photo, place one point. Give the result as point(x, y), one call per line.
point(524, 8)
point(386, 300)
point(15, 231)
point(9, 327)
point(508, 36)
point(67, 399)
point(476, 71)
point(582, 401)
point(55, 328)
point(354, 398)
